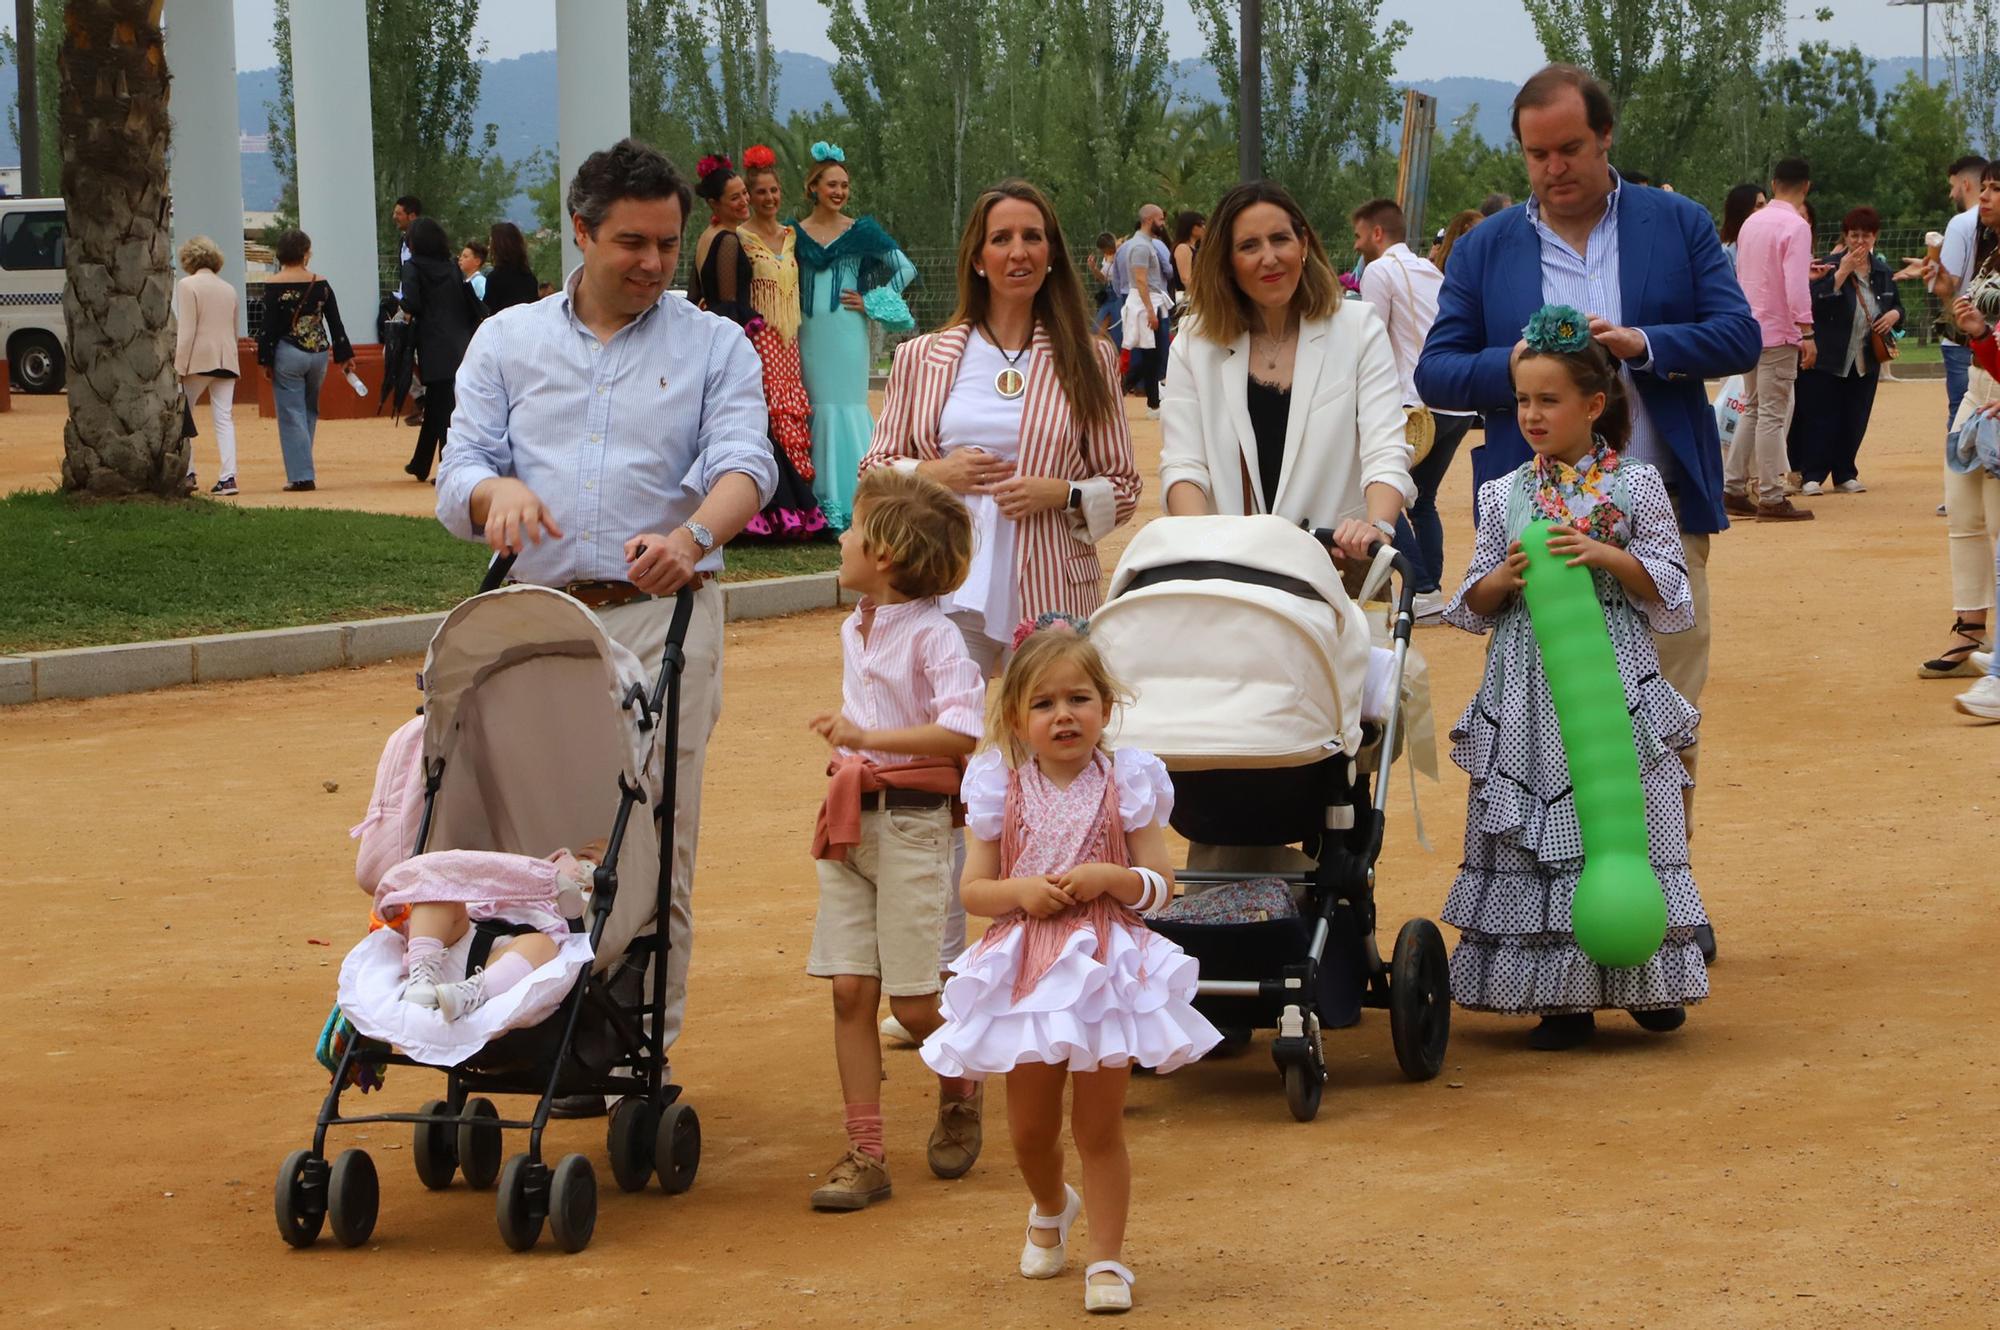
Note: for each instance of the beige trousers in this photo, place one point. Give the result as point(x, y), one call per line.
point(1972, 507)
point(641, 628)
point(1756, 462)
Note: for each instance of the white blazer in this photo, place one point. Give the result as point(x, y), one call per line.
point(1344, 431)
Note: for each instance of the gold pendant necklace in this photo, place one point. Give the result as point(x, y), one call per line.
point(1010, 383)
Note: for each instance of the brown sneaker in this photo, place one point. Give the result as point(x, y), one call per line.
point(956, 1139)
point(855, 1183)
point(1738, 505)
point(1784, 510)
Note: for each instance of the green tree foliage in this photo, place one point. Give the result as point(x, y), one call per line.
point(423, 75)
point(1821, 105)
point(1972, 59)
point(48, 42)
point(697, 83)
point(1923, 130)
point(1328, 102)
point(1465, 168)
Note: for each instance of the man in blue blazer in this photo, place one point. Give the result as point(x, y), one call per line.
point(1647, 268)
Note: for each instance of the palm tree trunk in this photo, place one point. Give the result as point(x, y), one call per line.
point(124, 431)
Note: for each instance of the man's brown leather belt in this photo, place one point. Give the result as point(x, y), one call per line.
point(876, 800)
point(605, 594)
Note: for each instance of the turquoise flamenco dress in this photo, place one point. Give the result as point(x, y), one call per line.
point(833, 348)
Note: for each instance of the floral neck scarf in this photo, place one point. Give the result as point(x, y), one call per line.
point(1580, 495)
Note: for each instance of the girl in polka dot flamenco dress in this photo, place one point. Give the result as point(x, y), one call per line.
point(1523, 852)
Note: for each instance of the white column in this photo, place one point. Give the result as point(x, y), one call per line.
point(335, 148)
point(593, 91)
point(205, 172)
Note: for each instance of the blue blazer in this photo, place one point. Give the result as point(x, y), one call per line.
point(1678, 289)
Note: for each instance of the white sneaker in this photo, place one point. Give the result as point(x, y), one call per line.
point(1982, 699)
point(1429, 606)
point(1851, 487)
point(1982, 662)
point(462, 998)
point(1811, 489)
point(422, 987)
point(892, 1030)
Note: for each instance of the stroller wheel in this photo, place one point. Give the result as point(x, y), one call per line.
point(677, 1148)
point(478, 1145)
point(573, 1203)
point(435, 1148)
point(1420, 1000)
point(1304, 1083)
point(522, 1203)
point(635, 1125)
point(301, 1198)
point(354, 1197)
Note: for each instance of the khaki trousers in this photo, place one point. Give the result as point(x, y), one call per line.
point(1684, 656)
point(641, 628)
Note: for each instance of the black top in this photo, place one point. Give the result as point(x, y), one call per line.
point(304, 314)
point(1269, 409)
point(721, 285)
point(506, 287)
point(437, 296)
point(1834, 313)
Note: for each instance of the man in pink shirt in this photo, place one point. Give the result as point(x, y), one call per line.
point(1774, 264)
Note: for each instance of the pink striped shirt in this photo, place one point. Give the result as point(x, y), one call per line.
point(910, 670)
point(1773, 258)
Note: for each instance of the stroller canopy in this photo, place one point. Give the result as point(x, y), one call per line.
point(524, 704)
point(1241, 645)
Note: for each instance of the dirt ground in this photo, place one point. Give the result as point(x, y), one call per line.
point(1816, 1148)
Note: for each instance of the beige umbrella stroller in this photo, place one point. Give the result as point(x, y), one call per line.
point(1251, 667)
point(538, 731)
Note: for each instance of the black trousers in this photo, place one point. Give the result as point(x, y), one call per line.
point(438, 405)
point(1829, 420)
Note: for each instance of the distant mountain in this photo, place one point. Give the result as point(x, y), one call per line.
point(518, 97)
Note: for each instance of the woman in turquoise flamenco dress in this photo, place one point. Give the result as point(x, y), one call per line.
point(849, 272)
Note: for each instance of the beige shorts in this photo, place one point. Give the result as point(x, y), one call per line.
point(881, 913)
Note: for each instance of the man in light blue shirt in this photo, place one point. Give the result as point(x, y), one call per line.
point(614, 437)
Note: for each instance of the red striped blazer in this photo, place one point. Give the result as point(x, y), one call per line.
point(1056, 553)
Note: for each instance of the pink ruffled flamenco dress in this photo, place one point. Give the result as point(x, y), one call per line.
point(1089, 988)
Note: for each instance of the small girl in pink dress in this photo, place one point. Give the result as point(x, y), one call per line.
point(1066, 847)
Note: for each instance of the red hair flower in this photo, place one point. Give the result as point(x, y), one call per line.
point(759, 157)
point(709, 165)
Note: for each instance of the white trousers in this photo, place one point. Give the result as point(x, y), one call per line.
point(221, 392)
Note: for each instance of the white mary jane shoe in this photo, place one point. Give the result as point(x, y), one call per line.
point(1107, 1297)
point(1047, 1262)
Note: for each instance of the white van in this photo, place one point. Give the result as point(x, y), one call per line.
point(32, 240)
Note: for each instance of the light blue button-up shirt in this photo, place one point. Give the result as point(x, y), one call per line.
point(616, 438)
point(1589, 282)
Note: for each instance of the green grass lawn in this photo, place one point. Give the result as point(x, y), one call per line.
point(86, 574)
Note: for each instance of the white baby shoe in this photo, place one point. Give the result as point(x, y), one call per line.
point(1048, 1262)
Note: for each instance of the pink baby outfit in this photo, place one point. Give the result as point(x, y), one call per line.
point(1090, 987)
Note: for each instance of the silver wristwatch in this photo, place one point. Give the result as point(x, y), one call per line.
point(703, 537)
point(1383, 525)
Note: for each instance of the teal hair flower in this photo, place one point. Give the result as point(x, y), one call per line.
point(823, 151)
point(1557, 328)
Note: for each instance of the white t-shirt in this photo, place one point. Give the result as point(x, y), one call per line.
point(977, 416)
point(1961, 244)
point(1404, 291)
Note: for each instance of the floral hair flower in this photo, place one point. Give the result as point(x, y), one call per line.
point(712, 163)
point(1055, 621)
point(758, 157)
point(823, 151)
point(1350, 282)
point(1557, 328)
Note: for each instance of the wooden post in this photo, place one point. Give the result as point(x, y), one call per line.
point(1413, 168)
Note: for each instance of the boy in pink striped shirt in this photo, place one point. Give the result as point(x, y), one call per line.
point(912, 708)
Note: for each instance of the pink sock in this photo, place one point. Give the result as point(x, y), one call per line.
point(503, 974)
point(864, 1129)
point(420, 947)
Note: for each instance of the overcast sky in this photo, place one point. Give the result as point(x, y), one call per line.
point(1476, 37)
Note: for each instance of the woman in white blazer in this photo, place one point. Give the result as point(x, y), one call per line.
point(1280, 396)
point(205, 349)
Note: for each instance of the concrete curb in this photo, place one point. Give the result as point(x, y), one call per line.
point(138, 667)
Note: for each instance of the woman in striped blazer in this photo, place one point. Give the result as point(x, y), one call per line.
point(1014, 406)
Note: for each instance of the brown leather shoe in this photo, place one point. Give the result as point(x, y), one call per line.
point(1784, 510)
point(1738, 505)
point(855, 1183)
point(956, 1139)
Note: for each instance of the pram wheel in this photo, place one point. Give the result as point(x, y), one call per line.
point(354, 1197)
point(635, 1124)
point(435, 1149)
point(573, 1203)
point(1420, 1000)
point(522, 1203)
point(301, 1198)
point(1304, 1083)
point(478, 1145)
point(677, 1148)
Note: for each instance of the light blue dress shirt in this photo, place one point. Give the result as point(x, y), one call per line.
point(616, 438)
point(1590, 282)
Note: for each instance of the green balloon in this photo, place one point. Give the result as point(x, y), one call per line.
point(1619, 913)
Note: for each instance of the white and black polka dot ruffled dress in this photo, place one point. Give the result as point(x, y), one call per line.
point(1523, 851)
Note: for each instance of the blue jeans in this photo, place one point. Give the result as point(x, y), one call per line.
point(296, 380)
point(1957, 368)
point(1419, 534)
